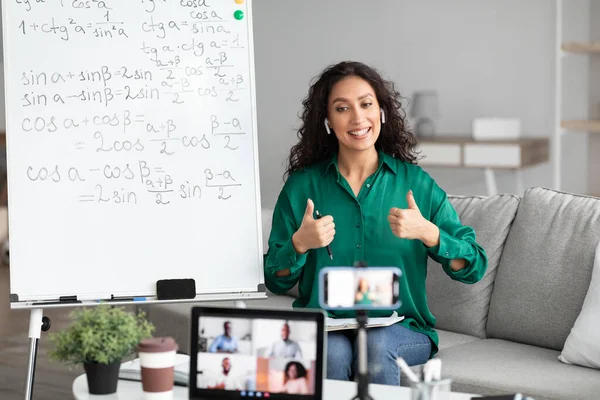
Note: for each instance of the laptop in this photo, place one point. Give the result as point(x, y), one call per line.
point(239, 353)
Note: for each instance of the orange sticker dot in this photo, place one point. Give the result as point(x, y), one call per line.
point(240, 1)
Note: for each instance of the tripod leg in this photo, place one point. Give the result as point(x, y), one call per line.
point(363, 372)
point(35, 331)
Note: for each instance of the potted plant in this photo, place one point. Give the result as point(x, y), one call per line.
point(99, 338)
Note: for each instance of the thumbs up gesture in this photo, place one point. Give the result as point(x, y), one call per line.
point(313, 233)
point(409, 223)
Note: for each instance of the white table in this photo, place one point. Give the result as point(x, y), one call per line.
point(129, 390)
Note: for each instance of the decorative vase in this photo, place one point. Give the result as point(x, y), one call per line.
point(425, 110)
point(425, 128)
point(102, 378)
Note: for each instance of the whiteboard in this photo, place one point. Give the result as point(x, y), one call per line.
point(132, 147)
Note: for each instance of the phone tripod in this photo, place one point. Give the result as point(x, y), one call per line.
point(363, 370)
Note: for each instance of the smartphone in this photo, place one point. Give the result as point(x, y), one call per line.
point(368, 288)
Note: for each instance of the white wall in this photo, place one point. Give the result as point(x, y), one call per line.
point(485, 58)
point(575, 96)
point(594, 102)
point(2, 109)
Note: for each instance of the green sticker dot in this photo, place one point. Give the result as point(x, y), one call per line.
point(239, 14)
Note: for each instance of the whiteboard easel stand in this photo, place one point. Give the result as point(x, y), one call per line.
point(37, 324)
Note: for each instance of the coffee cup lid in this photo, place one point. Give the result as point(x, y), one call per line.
point(157, 345)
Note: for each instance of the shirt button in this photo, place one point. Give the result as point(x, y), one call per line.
point(358, 225)
point(447, 254)
point(358, 246)
point(368, 185)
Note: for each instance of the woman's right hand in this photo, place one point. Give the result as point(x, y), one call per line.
point(313, 233)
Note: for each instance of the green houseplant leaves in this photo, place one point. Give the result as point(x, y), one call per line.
point(100, 334)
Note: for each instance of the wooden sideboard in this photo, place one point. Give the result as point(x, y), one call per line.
point(489, 155)
point(465, 152)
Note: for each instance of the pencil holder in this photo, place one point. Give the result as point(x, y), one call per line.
point(434, 390)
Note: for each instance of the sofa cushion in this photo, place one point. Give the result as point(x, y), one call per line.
point(459, 307)
point(494, 366)
point(450, 339)
point(175, 319)
point(447, 339)
point(267, 222)
point(583, 344)
point(545, 269)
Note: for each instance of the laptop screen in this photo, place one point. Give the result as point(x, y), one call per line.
point(243, 353)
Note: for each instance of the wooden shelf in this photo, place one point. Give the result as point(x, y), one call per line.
point(466, 152)
point(469, 139)
point(581, 126)
point(579, 47)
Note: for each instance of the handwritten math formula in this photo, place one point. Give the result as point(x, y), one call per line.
point(121, 103)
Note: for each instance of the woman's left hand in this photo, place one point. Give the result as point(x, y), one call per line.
point(410, 223)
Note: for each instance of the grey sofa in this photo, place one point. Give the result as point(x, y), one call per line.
point(504, 333)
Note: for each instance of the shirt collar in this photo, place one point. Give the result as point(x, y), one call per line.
point(389, 161)
point(331, 164)
point(384, 159)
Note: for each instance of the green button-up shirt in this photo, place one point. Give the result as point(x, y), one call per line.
point(363, 233)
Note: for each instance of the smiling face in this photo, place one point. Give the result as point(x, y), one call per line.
point(354, 115)
point(363, 285)
point(292, 372)
point(226, 364)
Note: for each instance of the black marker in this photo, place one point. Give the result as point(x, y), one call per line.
point(328, 247)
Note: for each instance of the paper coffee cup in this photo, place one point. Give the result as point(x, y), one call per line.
point(157, 360)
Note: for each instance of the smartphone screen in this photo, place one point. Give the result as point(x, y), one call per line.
point(372, 288)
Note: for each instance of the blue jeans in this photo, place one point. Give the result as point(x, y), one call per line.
point(384, 346)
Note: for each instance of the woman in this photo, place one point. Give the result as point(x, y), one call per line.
point(363, 294)
point(356, 163)
point(294, 379)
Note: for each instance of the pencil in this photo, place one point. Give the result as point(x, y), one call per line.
point(328, 247)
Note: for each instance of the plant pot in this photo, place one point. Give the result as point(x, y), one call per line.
point(102, 378)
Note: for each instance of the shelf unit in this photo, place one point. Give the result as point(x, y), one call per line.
point(466, 152)
point(563, 126)
point(487, 155)
point(577, 47)
point(581, 126)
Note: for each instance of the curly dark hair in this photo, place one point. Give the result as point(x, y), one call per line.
point(315, 145)
point(300, 370)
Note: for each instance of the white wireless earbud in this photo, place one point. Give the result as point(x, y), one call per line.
point(327, 127)
point(382, 116)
